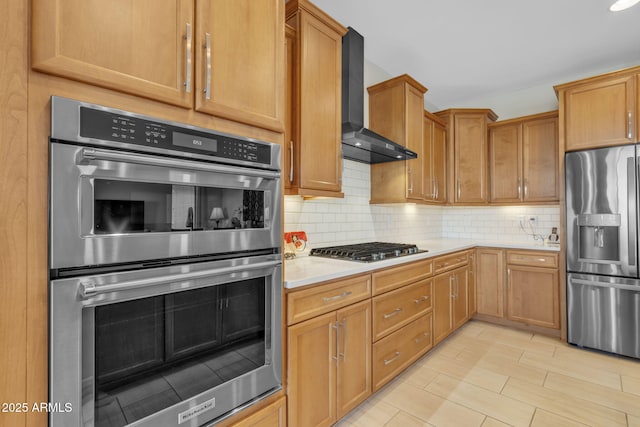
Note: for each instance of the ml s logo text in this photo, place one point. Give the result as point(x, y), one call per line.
point(196, 142)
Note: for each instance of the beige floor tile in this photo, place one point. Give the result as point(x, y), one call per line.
point(402, 419)
point(547, 340)
point(564, 404)
point(633, 421)
point(572, 369)
point(419, 375)
point(429, 407)
point(492, 422)
point(630, 384)
point(599, 360)
point(547, 419)
point(373, 412)
point(468, 372)
point(605, 396)
point(492, 404)
point(507, 366)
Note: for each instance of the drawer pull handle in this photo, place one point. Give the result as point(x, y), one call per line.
point(395, 356)
point(542, 259)
point(422, 337)
point(393, 313)
point(423, 299)
point(335, 297)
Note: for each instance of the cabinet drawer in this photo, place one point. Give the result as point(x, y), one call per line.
point(396, 277)
point(395, 352)
point(449, 262)
point(393, 310)
point(533, 258)
point(273, 415)
point(308, 303)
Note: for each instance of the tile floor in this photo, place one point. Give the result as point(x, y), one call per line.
point(490, 376)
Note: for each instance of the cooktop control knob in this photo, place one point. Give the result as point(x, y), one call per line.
point(397, 252)
point(382, 255)
point(374, 257)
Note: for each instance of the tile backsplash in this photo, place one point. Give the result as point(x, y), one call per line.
point(353, 219)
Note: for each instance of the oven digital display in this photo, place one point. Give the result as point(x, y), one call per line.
point(193, 141)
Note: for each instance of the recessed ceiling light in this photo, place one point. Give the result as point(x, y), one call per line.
point(622, 5)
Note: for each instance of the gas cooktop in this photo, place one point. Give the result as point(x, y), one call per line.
point(367, 252)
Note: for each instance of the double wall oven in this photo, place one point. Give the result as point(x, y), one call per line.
point(165, 269)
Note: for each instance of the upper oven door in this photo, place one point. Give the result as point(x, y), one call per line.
point(110, 207)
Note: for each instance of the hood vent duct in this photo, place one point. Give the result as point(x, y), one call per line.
point(360, 144)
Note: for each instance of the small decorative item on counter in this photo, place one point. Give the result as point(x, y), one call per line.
point(553, 238)
point(295, 241)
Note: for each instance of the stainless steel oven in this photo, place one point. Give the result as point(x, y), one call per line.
point(165, 290)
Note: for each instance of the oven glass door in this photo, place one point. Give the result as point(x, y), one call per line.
point(158, 343)
point(110, 207)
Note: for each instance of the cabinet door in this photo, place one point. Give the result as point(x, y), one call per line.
point(439, 160)
point(600, 113)
point(442, 307)
point(540, 160)
point(139, 47)
point(273, 415)
point(414, 121)
point(533, 296)
point(320, 108)
point(473, 296)
point(470, 162)
point(290, 149)
point(460, 297)
point(240, 61)
point(312, 355)
point(505, 163)
point(428, 164)
point(490, 282)
point(354, 356)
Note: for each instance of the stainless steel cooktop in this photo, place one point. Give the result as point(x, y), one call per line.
point(367, 252)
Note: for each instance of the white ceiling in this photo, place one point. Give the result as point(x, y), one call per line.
point(464, 50)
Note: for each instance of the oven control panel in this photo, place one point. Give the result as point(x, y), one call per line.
point(124, 128)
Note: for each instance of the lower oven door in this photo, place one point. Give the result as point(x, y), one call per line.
point(180, 345)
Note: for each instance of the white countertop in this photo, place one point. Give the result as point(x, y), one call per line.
point(307, 270)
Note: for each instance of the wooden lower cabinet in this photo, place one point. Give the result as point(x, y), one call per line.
point(533, 296)
point(329, 365)
point(450, 302)
point(273, 415)
point(398, 350)
point(530, 295)
point(490, 270)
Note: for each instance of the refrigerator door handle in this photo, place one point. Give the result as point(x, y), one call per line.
point(634, 288)
point(632, 200)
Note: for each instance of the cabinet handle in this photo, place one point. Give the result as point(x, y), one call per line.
point(410, 189)
point(421, 300)
point(291, 160)
point(453, 295)
point(207, 89)
point(508, 277)
point(344, 340)
point(437, 188)
point(393, 313)
point(526, 188)
point(335, 327)
point(457, 289)
point(459, 190)
point(629, 132)
point(422, 337)
point(395, 356)
point(335, 297)
point(519, 188)
point(187, 71)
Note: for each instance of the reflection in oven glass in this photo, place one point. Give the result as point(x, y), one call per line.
point(134, 207)
point(155, 352)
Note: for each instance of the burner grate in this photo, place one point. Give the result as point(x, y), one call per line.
point(366, 252)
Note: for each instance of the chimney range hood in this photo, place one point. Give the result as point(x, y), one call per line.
point(358, 143)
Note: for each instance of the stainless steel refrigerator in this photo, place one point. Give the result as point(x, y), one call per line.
point(603, 286)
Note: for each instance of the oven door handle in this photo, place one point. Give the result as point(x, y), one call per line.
point(89, 154)
point(89, 289)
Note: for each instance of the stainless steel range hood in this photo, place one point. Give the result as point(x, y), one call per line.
point(358, 143)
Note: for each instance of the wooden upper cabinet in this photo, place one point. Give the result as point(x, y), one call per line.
point(505, 163)
point(434, 159)
point(240, 64)
point(139, 47)
point(159, 49)
point(523, 159)
point(600, 111)
point(317, 106)
point(468, 152)
point(289, 109)
point(540, 158)
point(396, 109)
